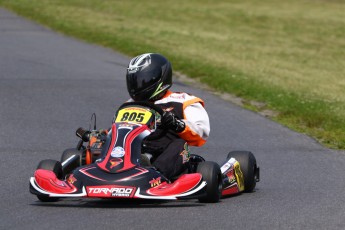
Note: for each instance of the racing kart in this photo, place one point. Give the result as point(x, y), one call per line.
point(110, 164)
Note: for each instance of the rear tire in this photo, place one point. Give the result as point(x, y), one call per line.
point(248, 167)
point(54, 166)
point(211, 173)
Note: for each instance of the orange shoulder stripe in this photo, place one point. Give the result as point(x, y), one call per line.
point(192, 101)
point(191, 137)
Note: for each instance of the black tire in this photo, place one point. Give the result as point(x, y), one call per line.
point(211, 173)
point(70, 152)
point(248, 167)
point(75, 163)
point(193, 162)
point(54, 166)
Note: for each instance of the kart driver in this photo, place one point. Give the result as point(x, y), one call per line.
point(184, 121)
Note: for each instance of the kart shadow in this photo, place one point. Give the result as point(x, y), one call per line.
point(126, 203)
point(118, 203)
point(225, 197)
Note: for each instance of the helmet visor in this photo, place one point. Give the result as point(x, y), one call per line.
point(143, 82)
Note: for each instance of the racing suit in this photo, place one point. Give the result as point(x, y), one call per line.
point(169, 149)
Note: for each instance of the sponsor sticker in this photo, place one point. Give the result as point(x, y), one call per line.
point(110, 191)
point(185, 153)
point(71, 179)
point(231, 177)
point(118, 151)
point(155, 182)
point(239, 176)
point(228, 165)
point(115, 162)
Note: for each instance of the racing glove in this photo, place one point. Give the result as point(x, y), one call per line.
point(170, 121)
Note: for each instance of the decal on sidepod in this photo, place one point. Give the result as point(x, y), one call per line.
point(110, 191)
point(117, 151)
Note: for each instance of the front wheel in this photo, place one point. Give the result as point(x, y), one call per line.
point(70, 152)
point(211, 173)
point(54, 166)
point(248, 167)
point(70, 163)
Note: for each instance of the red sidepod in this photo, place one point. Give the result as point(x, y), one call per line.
point(182, 185)
point(48, 181)
point(230, 190)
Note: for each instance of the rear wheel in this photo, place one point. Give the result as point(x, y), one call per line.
point(211, 173)
point(248, 167)
point(54, 166)
point(194, 161)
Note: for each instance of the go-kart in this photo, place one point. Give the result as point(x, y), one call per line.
point(110, 164)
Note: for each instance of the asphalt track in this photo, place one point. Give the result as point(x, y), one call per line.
point(51, 84)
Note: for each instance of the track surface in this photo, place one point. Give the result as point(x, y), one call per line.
point(51, 84)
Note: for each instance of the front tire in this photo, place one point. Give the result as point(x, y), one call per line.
point(56, 167)
point(70, 152)
point(248, 167)
point(211, 173)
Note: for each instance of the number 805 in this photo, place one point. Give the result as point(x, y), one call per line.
point(133, 116)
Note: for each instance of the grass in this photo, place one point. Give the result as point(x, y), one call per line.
point(289, 55)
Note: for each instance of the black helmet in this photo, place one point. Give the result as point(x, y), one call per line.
point(148, 76)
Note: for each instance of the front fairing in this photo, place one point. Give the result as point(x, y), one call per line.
point(90, 181)
point(123, 148)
